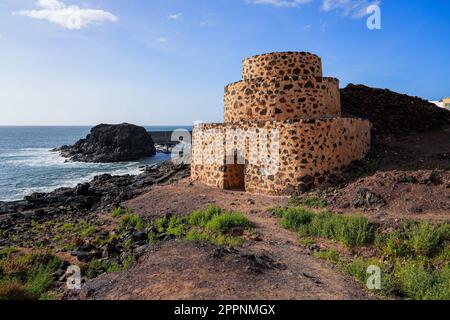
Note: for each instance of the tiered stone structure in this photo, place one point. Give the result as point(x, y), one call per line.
point(283, 106)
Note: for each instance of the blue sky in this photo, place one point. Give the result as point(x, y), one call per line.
point(165, 62)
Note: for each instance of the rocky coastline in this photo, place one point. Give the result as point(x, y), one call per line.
point(30, 223)
point(103, 192)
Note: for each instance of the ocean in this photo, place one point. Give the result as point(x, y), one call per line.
point(27, 165)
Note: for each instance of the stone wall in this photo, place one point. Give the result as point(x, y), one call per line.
point(282, 99)
point(309, 149)
point(283, 129)
point(280, 64)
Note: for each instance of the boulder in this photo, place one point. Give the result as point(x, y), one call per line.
point(366, 198)
point(111, 143)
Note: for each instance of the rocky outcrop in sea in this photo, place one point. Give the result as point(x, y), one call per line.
point(111, 143)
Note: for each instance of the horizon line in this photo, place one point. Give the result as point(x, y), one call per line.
point(89, 125)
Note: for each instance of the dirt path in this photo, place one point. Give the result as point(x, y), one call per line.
point(271, 266)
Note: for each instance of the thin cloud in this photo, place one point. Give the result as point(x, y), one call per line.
point(71, 17)
point(175, 16)
point(349, 8)
point(281, 3)
point(162, 40)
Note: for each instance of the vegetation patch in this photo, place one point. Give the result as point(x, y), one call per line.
point(350, 230)
point(32, 276)
point(329, 254)
point(27, 276)
point(415, 239)
point(414, 259)
point(212, 224)
point(118, 212)
point(96, 267)
point(311, 201)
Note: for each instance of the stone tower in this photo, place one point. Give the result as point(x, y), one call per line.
point(283, 129)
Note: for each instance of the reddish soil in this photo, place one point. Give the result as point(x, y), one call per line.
point(404, 200)
point(413, 178)
point(280, 269)
point(185, 196)
point(405, 180)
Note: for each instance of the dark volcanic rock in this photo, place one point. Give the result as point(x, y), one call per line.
point(102, 192)
point(368, 199)
point(111, 143)
point(391, 112)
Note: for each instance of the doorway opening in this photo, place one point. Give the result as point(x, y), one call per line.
point(234, 176)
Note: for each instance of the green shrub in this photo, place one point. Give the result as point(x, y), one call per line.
point(200, 218)
point(39, 280)
point(350, 230)
point(132, 221)
point(161, 224)
point(5, 252)
point(414, 239)
point(314, 202)
point(27, 276)
point(294, 218)
point(444, 231)
point(195, 235)
point(224, 240)
point(394, 244)
point(152, 237)
point(176, 226)
point(416, 255)
point(127, 263)
point(118, 212)
point(21, 263)
point(88, 230)
point(330, 255)
point(356, 268)
point(209, 225)
point(278, 212)
point(419, 284)
point(127, 244)
point(307, 242)
point(67, 227)
point(226, 221)
point(322, 225)
point(97, 267)
point(424, 239)
point(294, 201)
point(353, 231)
point(443, 257)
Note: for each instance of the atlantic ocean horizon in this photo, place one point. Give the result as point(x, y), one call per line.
point(27, 164)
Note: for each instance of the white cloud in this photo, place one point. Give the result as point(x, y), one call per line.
point(50, 4)
point(348, 8)
point(71, 17)
point(281, 3)
point(162, 40)
point(353, 8)
point(175, 16)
